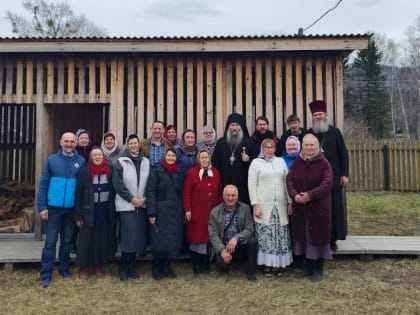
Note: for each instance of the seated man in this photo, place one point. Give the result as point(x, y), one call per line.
point(231, 233)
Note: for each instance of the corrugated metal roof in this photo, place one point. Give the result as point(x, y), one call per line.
point(228, 37)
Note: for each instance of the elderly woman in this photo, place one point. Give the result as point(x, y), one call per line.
point(110, 148)
point(129, 179)
point(164, 209)
point(112, 152)
point(202, 192)
point(209, 139)
point(94, 209)
point(268, 195)
point(309, 184)
point(292, 150)
point(172, 136)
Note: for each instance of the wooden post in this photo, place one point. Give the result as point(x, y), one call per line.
point(40, 155)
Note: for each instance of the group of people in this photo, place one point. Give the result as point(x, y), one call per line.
point(269, 201)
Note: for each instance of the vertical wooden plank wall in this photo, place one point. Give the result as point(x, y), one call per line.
point(188, 91)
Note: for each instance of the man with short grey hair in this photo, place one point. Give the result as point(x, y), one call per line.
point(231, 233)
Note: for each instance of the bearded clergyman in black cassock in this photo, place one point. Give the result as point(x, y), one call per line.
point(233, 154)
point(332, 144)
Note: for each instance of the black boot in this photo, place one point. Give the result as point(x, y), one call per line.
point(166, 269)
point(308, 269)
point(132, 273)
point(318, 270)
point(123, 267)
point(156, 269)
point(195, 263)
point(205, 263)
point(298, 261)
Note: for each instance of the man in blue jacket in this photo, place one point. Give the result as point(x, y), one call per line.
point(55, 202)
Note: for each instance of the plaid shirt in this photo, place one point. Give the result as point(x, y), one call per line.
point(233, 228)
point(156, 153)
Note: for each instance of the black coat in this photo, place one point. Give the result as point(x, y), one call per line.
point(236, 173)
point(164, 202)
point(83, 208)
point(335, 151)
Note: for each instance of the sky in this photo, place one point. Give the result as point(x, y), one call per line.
point(142, 18)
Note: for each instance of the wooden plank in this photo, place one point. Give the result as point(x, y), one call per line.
point(319, 79)
point(190, 94)
point(102, 80)
point(279, 94)
point(19, 81)
point(60, 81)
point(221, 112)
point(131, 117)
point(180, 94)
point(160, 106)
point(339, 93)
point(40, 144)
point(300, 106)
point(210, 96)
point(258, 91)
point(29, 97)
point(150, 92)
point(329, 93)
point(116, 108)
point(239, 104)
point(269, 94)
point(289, 88)
point(1, 79)
point(309, 93)
point(92, 80)
point(50, 81)
point(71, 78)
point(170, 95)
point(199, 45)
point(227, 86)
point(9, 81)
point(248, 92)
point(141, 127)
point(200, 99)
point(82, 78)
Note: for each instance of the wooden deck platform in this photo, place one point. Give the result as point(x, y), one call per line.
point(22, 248)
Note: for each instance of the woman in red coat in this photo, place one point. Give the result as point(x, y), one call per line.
point(202, 192)
point(309, 183)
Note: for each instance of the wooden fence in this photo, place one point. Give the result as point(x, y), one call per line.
point(384, 165)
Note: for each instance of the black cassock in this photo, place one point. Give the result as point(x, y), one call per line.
point(232, 169)
point(334, 148)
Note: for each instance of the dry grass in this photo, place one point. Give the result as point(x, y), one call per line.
point(383, 213)
point(384, 285)
point(350, 286)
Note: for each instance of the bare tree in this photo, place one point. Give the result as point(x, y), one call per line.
point(52, 20)
point(391, 56)
point(413, 62)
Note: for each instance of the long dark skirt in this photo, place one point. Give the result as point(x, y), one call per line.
point(93, 245)
point(133, 231)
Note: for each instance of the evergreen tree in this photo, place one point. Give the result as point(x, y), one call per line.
point(369, 97)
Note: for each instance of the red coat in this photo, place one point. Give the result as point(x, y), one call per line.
point(315, 177)
point(200, 197)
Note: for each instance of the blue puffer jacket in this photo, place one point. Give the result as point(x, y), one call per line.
point(58, 181)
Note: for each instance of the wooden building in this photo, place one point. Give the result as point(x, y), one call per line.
point(48, 86)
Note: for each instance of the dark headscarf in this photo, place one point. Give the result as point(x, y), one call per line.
point(239, 119)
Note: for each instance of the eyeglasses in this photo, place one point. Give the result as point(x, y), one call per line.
point(207, 132)
point(269, 147)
